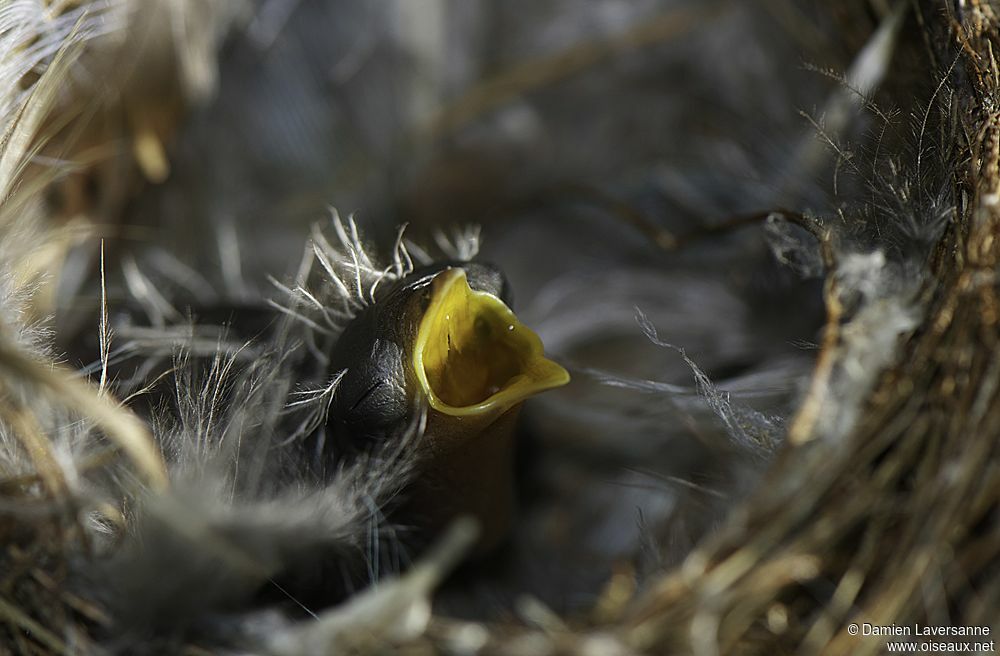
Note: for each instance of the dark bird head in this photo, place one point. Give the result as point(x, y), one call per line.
point(443, 340)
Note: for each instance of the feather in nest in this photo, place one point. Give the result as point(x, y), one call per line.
point(227, 525)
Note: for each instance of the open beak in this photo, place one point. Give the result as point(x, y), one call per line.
point(472, 356)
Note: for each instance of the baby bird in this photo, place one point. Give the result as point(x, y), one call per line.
point(443, 340)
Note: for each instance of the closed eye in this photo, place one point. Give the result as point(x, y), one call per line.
point(368, 393)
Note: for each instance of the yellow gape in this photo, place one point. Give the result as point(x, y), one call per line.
point(472, 356)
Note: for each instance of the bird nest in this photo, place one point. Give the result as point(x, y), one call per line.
point(673, 227)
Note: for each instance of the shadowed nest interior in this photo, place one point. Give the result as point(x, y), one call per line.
point(761, 238)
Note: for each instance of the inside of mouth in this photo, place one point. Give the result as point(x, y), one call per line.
point(472, 355)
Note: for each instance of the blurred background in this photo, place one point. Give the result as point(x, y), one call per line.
point(604, 148)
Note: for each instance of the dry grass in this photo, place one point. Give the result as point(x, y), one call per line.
point(895, 523)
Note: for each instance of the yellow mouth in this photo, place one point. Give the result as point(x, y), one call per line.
point(473, 356)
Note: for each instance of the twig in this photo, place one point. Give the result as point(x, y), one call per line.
point(119, 423)
point(534, 74)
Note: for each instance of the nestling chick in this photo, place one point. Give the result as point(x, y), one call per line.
point(443, 340)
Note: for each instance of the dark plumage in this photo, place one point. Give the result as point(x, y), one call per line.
point(464, 458)
point(772, 282)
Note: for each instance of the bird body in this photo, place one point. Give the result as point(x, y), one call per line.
point(441, 343)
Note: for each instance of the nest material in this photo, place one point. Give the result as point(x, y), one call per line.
point(880, 505)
